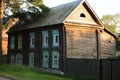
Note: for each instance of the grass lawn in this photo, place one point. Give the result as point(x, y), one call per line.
point(25, 73)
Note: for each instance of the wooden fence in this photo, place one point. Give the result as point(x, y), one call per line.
point(103, 69)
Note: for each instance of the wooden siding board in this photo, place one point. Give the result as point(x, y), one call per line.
point(81, 43)
point(75, 16)
point(107, 43)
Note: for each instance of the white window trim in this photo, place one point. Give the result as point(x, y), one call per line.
point(54, 40)
point(44, 35)
point(45, 43)
point(55, 66)
point(32, 44)
point(45, 65)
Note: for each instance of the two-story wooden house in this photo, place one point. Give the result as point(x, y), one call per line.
point(71, 30)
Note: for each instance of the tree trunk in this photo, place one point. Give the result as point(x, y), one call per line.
point(1, 20)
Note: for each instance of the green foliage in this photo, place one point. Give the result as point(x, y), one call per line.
point(30, 14)
point(44, 8)
point(36, 2)
point(118, 45)
point(33, 10)
point(108, 21)
point(20, 72)
point(116, 57)
point(112, 22)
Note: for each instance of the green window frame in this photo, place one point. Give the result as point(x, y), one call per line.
point(12, 59)
point(45, 39)
point(12, 42)
point(45, 63)
point(55, 59)
point(32, 40)
point(19, 59)
point(19, 41)
point(55, 34)
point(31, 60)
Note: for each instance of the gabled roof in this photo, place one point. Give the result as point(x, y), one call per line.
point(58, 15)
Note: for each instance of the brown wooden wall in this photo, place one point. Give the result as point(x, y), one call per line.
point(38, 50)
point(81, 42)
point(107, 45)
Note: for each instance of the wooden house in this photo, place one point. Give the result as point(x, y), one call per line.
point(7, 24)
point(71, 30)
point(4, 42)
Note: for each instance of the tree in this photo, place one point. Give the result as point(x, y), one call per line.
point(1, 20)
point(112, 22)
point(14, 7)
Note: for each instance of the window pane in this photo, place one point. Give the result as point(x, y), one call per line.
point(19, 59)
point(12, 59)
point(45, 39)
point(56, 39)
point(32, 40)
point(19, 42)
point(55, 59)
point(31, 60)
point(12, 42)
point(55, 34)
point(45, 59)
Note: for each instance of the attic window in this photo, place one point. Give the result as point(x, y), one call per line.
point(82, 15)
point(110, 41)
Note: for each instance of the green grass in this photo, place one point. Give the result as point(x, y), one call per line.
point(25, 73)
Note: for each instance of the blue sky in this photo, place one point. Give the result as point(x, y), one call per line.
point(101, 7)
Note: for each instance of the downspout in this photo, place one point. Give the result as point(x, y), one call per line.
point(99, 53)
point(98, 44)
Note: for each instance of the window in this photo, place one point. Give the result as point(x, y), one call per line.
point(82, 15)
point(55, 59)
point(19, 59)
point(45, 59)
point(19, 41)
point(12, 42)
point(56, 39)
point(32, 40)
point(55, 34)
point(31, 60)
point(45, 39)
point(12, 59)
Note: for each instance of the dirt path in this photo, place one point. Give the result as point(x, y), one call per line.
point(4, 78)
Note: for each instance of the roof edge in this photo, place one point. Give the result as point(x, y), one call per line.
point(115, 36)
point(79, 3)
point(94, 13)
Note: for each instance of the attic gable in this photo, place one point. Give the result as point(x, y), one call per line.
point(83, 14)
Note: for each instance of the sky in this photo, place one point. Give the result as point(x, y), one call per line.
point(101, 7)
